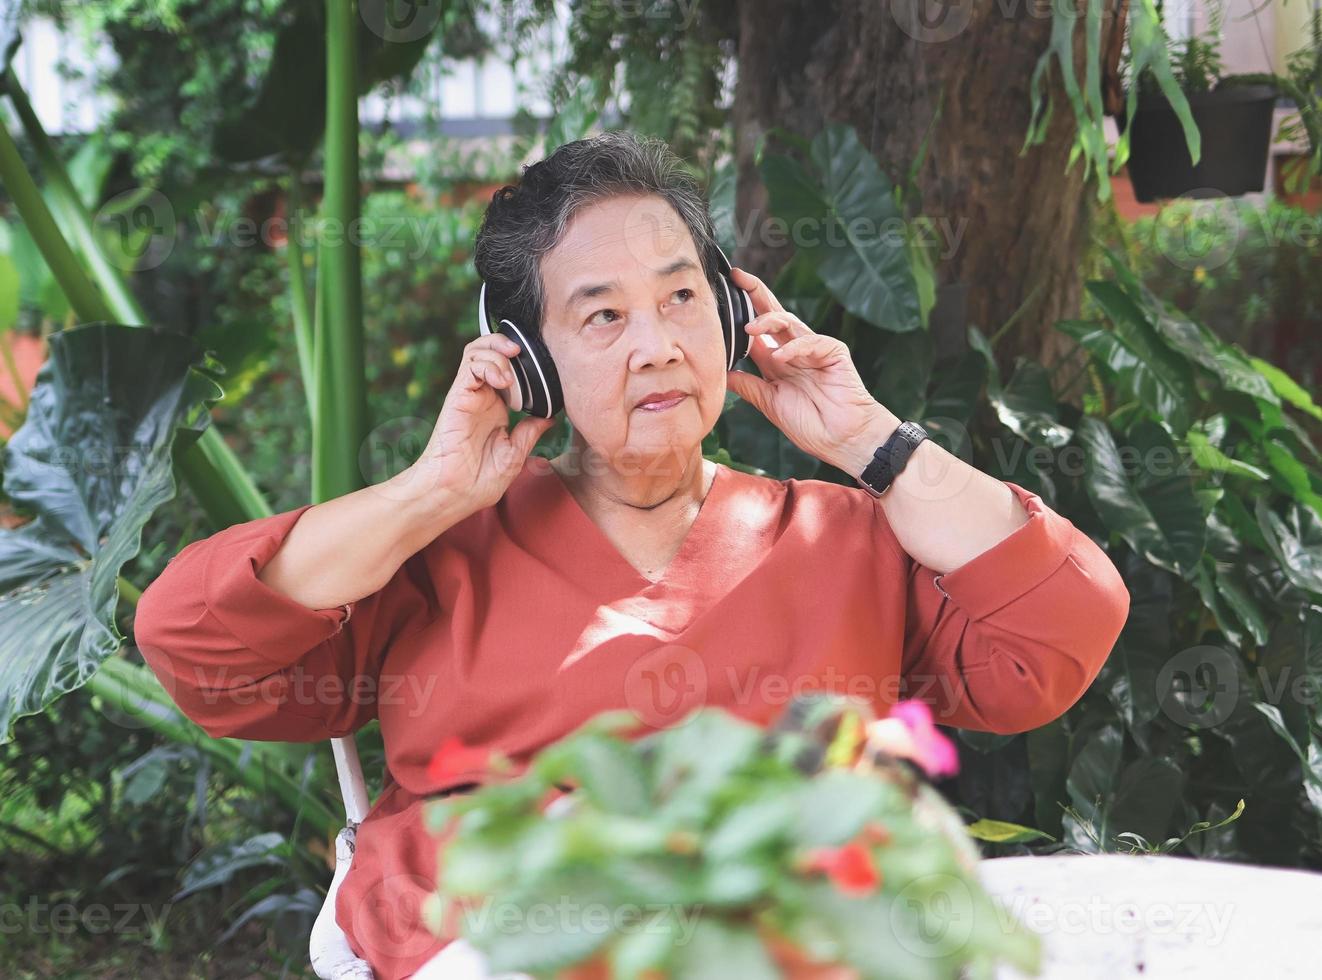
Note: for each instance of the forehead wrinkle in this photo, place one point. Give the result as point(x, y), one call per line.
point(591, 291)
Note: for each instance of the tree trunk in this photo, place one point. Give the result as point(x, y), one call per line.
point(1011, 228)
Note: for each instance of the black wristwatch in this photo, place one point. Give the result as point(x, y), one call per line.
point(890, 457)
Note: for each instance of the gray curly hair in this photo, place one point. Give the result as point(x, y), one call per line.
point(526, 221)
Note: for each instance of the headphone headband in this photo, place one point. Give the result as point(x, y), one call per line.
point(538, 383)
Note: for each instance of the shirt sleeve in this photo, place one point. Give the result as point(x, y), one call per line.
point(243, 660)
point(1011, 639)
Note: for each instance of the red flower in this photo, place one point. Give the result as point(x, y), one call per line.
point(850, 868)
point(455, 759)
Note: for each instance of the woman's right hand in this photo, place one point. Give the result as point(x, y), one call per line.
point(471, 458)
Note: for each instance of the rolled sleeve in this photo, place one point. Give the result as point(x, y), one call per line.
point(243, 660)
point(1013, 566)
point(267, 623)
point(1012, 639)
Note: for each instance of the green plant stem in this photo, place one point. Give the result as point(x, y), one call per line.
point(77, 221)
point(82, 294)
point(128, 591)
point(299, 304)
point(223, 487)
point(340, 426)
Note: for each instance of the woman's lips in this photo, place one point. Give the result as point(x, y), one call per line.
point(661, 406)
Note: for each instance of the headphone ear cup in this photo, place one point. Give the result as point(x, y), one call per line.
point(745, 317)
point(736, 309)
point(734, 305)
point(538, 381)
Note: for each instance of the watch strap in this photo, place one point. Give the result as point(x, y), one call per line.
point(889, 459)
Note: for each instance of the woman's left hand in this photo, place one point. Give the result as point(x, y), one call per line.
point(809, 388)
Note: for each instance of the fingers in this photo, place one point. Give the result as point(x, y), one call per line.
point(492, 341)
point(781, 326)
point(763, 300)
point(496, 370)
point(515, 448)
point(750, 388)
point(816, 350)
point(487, 361)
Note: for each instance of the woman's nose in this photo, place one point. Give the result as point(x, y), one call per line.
point(656, 343)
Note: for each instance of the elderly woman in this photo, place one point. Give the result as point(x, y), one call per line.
point(501, 599)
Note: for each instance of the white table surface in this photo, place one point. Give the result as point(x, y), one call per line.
point(1121, 916)
point(1115, 917)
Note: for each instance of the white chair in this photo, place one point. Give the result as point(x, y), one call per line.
point(332, 957)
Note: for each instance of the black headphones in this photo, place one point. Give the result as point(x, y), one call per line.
point(538, 384)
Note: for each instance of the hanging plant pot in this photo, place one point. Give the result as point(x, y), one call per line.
point(1236, 124)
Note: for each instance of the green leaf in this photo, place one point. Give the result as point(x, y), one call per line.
point(1293, 475)
point(218, 865)
point(1296, 543)
point(837, 803)
point(721, 201)
point(533, 929)
point(577, 116)
point(720, 951)
point(751, 824)
point(1151, 370)
point(1209, 457)
point(845, 219)
point(1027, 406)
point(1286, 387)
point(644, 949)
point(92, 462)
point(1001, 832)
point(608, 770)
point(1155, 510)
point(695, 758)
point(1232, 587)
point(1090, 783)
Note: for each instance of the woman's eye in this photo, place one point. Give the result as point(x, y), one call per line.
point(687, 293)
point(592, 320)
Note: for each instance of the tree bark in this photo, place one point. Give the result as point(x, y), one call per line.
point(1011, 228)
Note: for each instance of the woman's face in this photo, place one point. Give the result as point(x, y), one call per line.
point(628, 313)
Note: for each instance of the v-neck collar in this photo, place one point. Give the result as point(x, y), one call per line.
point(555, 511)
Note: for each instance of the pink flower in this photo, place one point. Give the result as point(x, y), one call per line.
point(908, 733)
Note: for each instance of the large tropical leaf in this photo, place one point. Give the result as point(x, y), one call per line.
point(1174, 390)
point(1296, 541)
point(845, 217)
point(91, 464)
point(1154, 509)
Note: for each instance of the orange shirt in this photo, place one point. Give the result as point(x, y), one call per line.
point(523, 621)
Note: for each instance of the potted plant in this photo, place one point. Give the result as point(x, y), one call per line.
point(814, 849)
point(1233, 115)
